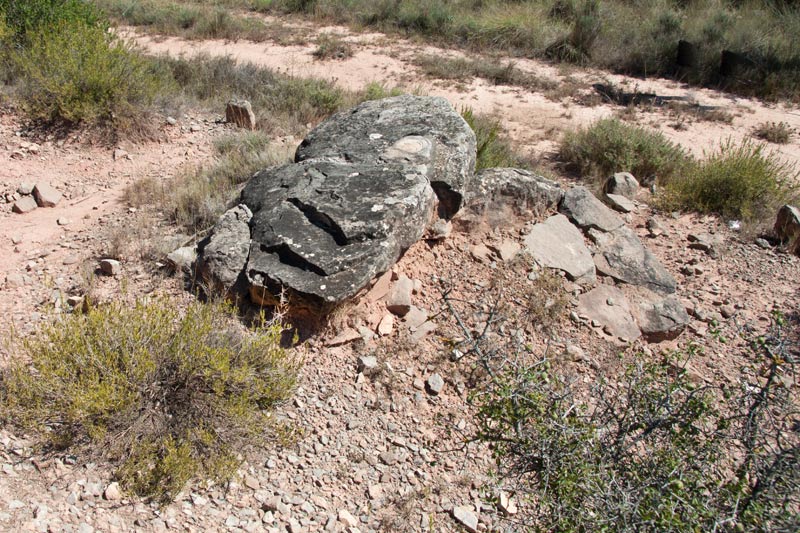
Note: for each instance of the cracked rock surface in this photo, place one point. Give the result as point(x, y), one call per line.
point(363, 189)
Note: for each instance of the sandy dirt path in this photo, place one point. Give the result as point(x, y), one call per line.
point(532, 119)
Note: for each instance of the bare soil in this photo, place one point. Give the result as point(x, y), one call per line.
point(375, 444)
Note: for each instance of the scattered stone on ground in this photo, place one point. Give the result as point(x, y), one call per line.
point(587, 212)
point(240, 113)
point(45, 195)
point(622, 184)
point(556, 243)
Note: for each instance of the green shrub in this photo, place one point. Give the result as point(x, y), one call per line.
point(609, 146)
point(742, 182)
point(24, 17)
point(493, 149)
point(332, 47)
point(653, 451)
point(378, 91)
point(774, 132)
point(164, 395)
point(74, 73)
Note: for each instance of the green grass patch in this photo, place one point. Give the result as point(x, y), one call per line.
point(331, 46)
point(165, 395)
point(609, 145)
point(493, 148)
point(743, 182)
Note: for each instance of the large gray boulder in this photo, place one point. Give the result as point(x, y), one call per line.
point(787, 227)
point(419, 132)
point(621, 255)
point(362, 190)
point(324, 229)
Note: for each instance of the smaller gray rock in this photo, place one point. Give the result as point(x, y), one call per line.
point(620, 203)
point(623, 184)
point(367, 362)
point(763, 243)
point(555, 243)
point(45, 195)
point(661, 319)
point(25, 188)
point(182, 258)
point(399, 299)
point(223, 254)
point(654, 227)
point(434, 384)
point(240, 112)
point(521, 190)
point(113, 492)
point(110, 267)
point(26, 204)
point(466, 517)
point(609, 307)
point(787, 227)
point(587, 212)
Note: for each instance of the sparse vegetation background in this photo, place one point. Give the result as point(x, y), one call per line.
point(640, 38)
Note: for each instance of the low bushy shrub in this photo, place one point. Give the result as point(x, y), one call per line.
point(24, 17)
point(165, 395)
point(73, 73)
point(738, 181)
point(609, 145)
point(652, 451)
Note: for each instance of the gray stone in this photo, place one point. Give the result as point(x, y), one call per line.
point(417, 133)
point(325, 230)
point(622, 256)
point(787, 227)
point(45, 195)
point(555, 243)
point(399, 299)
point(110, 267)
point(182, 258)
point(609, 306)
point(623, 184)
point(223, 254)
point(25, 188)
point(620, 203)
point(434, 384)
point(661, 318)
point(705, 242)
point(508, 250)
point(367, 362)
point(113, 492)
point(240, 112)
point(466, 517)
point(415, 317)
point(521, 190)
point(26, 204)
point(587, 212)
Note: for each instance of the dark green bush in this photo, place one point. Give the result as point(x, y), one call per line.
point(24, 17)
point(743, 182)
point(164, 395)
point(74, 73)
point(609, 145)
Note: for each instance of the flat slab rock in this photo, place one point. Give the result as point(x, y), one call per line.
point(609, 306)
point(587, 212)
point(522, 190)
point(660, 318)
point(622, 256)
point(556, 243)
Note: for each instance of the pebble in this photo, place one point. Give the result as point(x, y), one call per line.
point(113, 492)
point(466, 517)
point(110, 267)
point(434, 384)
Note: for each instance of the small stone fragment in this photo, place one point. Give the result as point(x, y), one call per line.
point(386, 325)
point(440, 230)
point(508, 250)
point(434, 384)
point(466, 517)
point(399, 300)
point(110, 267)
point(182, 258)
point(347, 336)
point(622, 184)
point(26, 204)
point(25, 188)
point(480, 253)
point(240, 112)
point(113, 492)
point(347, 519)
point(620, 203)
point(367, 362)
point(45, 195)
point(415, 317)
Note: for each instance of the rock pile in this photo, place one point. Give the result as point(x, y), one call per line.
point(370, 182)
